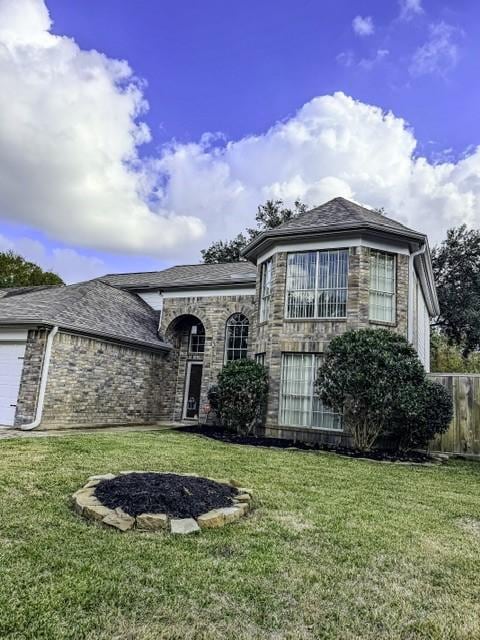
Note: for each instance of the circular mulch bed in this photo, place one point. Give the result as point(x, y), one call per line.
point(177, 496)
point(152, 501)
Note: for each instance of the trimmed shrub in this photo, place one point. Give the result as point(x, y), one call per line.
point(375, 377)
point(430, 414)
point(242, 395)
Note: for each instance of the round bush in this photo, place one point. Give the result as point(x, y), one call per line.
point(430, 414)
point(375, 377)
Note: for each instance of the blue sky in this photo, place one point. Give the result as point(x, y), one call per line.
point(328, 72)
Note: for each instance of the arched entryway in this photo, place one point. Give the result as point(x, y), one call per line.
point(186, 334)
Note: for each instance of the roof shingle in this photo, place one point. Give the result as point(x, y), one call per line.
point(341, 211)
point(93, 307)
point(190, 275)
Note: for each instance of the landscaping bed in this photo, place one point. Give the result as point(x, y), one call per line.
point(217, 433)
point(176, 496)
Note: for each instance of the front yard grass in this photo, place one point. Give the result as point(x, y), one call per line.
point(336, 548)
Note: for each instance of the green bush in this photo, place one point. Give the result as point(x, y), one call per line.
point(430, 414)
point(241, 395)
point(375, 378)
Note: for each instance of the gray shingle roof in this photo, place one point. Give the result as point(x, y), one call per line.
point(341, 211)
point(334, 216)
point(9, 291)
point(190, 275)
point(92, 307)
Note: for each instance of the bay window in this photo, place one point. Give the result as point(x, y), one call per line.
point(317, 284)
point(382, 287)
point(299, 404)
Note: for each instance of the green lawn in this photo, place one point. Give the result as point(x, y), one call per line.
point(336, 548)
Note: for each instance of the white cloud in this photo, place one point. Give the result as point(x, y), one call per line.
point(410, 8)
point(69, 136)
point(363, 26)
point(71, 265)
point(348, 59)
point(70, 131)
point(369, 63)
point(333, 146)
point(439, 54)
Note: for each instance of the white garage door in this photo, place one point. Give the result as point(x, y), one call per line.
point(11, 365)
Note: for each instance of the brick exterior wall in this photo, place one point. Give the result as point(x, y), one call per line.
point(92, 382)
point(31, 374)
point(279, 335)
point(213, 312)
point(95, 383)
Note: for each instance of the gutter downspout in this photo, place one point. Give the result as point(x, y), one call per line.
point(410, 289)
point(43, 383)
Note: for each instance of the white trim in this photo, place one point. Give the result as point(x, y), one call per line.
point(346, 243)
point(190, 363)
point(208, 293)
point(13, 335)
point(43, 383)
point(153, 298)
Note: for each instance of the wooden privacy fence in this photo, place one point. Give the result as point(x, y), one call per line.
point(463, 435)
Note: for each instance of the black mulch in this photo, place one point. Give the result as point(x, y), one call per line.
point(177, 496)
point(217, 433)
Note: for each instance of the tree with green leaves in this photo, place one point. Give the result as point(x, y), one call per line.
point(15, 271)
point(269, 216)
point(456, 265)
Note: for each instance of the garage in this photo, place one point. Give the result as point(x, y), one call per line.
point(12, 351)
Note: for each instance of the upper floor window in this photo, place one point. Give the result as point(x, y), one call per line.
point(236, 339)
point(197, 338)
point(317, 283)
point(265, 289)
point(382, 287)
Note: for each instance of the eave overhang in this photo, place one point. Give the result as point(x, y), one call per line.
point(36, 323)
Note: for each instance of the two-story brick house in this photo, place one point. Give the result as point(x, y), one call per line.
point(145, 347)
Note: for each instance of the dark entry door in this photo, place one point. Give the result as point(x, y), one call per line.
point(192, 402)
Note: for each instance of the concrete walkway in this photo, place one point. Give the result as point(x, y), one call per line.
point(8, 434)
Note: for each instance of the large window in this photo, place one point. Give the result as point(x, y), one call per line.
point(236, 339)
point(299, 404)
point(265, 290)
point(317, 283)
point(382, 287)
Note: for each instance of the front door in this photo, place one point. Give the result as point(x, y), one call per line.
point(192, 390)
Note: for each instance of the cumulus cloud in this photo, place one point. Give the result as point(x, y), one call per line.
point(68, 263)
point(410, 8)
point(439, 54)
point(333, 146)
point(69, 137)
point(69, 163)
point(363, 26)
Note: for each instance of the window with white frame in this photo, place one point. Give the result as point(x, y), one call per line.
point(197, 338)
point(265, 290)
point(317, 284)
point(236, 339)
point(299, 404)
point(382, 287)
